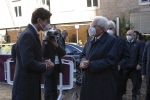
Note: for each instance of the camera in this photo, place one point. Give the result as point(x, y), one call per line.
point(51, 35)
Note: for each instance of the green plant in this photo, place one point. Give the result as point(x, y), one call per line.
point(125, 24)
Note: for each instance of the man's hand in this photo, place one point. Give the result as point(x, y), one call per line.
point(119, 67)
point(138, 67)
point(84, 64)
point(143, 78)
point(49, 64)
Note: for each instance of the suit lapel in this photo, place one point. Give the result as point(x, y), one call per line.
point(36, 35)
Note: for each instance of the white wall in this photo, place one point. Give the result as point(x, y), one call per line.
point(8, 17)
point(27, 6)
point(66, 11)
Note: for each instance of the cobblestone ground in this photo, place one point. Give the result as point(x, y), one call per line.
point(5, 92)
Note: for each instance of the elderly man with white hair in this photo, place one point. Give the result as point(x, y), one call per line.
point(122, 58)
point(99, 63)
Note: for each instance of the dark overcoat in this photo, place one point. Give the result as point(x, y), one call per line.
point(122, 58)
point(13, 52)
point(100, 78)
point(146, 62)
point(29, 66)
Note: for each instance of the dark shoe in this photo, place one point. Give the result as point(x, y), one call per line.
point(134, 98)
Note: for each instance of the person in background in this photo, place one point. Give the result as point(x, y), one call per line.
point(51, 49)
point(64, 37)
point(134, 62)
point(60, 38)
point(13, 49)
point(122, 58)
point(29, 65)
point(146, 69)
point(98, 60)
point(138, 37)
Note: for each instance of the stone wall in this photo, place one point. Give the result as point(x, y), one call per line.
point(113, 8)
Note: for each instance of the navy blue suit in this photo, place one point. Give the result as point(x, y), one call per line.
point(29, 66)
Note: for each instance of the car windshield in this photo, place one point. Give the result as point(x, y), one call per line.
point(77, 46)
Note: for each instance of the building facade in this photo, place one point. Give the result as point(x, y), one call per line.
point(66, 14)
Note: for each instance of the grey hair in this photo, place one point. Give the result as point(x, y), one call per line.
point(112, 23)
point(64, 32)
point(102, 22)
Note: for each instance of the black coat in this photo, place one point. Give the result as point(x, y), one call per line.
point(122, 58)
point(29, 66)
point(146, 62)
point(99, 79)
point(136, 51)
point(122, 53)
point(13, 52)
point(49, 51)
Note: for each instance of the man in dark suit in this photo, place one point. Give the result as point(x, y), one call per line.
point(29, 65)
point(146, 69)
point(122, 58)
point(134, 63)
point(139, 38)
point(99, 62)
point(13, 49)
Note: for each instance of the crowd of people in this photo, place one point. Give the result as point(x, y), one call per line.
point(108, 61)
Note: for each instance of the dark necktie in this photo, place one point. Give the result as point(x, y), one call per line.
point(38, 35)
point(95, 39)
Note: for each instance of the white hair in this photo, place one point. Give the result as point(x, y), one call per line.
point(102, 22)
point(112, 23)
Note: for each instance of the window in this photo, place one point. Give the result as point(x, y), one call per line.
point(15, 0)
point(18, 11)
point(92, 3)
point(46, 4)
point(144, 2)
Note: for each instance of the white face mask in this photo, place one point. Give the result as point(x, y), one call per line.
point(110, 32)
point(92, 31)
point(46, 28)
point(129, 38)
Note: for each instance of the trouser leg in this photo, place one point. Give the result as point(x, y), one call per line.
point(126, 76)
point(55, 78)
point(134, 79)
point(139, 83)
point(50, 84)
point(120, 87)
point(147, 91)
